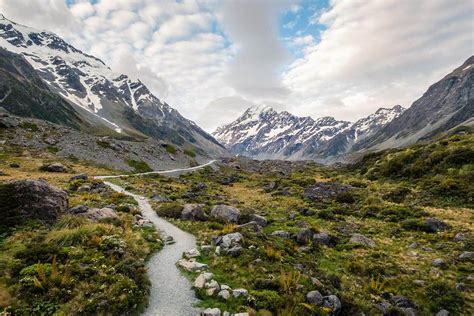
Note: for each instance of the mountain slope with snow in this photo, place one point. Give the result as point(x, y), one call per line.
point(262, 132)
point(98, 94)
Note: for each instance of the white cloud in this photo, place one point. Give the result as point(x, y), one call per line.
point(379, 53)
point(191, 52)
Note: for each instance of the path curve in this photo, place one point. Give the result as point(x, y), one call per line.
point(171, 292)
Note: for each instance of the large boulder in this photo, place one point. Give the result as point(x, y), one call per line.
point(314, 298)
point(229, 240)
point(30, 199)
point(193, 212)
point(226, 213)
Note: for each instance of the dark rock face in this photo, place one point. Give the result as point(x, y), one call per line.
point(445, 105)
point(434, 225)
point(322, 190)
point(31, 199)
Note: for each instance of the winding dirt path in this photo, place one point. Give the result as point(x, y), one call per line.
point(171, 292)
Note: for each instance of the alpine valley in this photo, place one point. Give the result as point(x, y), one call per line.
point(112, 203)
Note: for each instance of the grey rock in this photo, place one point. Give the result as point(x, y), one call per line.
point(224, 294)
point(254, 226)
point(360, 239)
point(460, 237)
point(226, 213)
point(192, 253)
point(304, 236)
point(240, 292)
point(234, 251)
point(32, 199)
point(281, 234)
point(78, 209)
point(211, 312)
point(333, 302)
point(84, 188)
point(442, 312)
point(192, 265)
point(460, 287)
point(202, 279)
point(229, 240)
point(260, 220)
point(324, 239)
point(97, 214)
point(434, 225)
point(439, 263)
point(467, 255)
point(193, 212)
point(314, 298)
point(402, 301)
point(82, 176)
point(55, 167)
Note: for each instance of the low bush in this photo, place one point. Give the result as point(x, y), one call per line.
point(170, 210)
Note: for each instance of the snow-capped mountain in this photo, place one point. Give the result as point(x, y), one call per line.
point(262, 132)
point(98, 94)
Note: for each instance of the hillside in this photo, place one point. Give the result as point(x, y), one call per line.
point(85, 93)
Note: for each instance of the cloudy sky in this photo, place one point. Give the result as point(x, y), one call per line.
point(211, 59)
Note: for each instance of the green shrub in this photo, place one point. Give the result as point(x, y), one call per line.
point(444, 296)
point(139, 166)
point(345, 197)
point(190, 153)
point(267, 299)
point(170, 148)
point(28, 125)
point(397, 195)
point(171, 210)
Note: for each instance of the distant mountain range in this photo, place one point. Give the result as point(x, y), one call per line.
point(42, 76)
point(263, 133)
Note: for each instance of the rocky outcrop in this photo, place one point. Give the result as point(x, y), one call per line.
point(31, 199)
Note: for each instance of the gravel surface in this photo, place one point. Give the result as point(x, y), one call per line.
point(171, 292)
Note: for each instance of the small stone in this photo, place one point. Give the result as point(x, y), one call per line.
point(193, 253)
point(442, 312)
point(460, 237)
point(315, 298)
point(14, 165)
point(460, 287)
point(240, 292)
point(211, 312)
point(78, 209)
point(202, 279)
point(225, 287)
point(55, 167)
point(84, 188)
point(260, 220)
point(439, 263)
point(467, 255)
point(281, 234)
point(234, 251)
point(304, 236)
point(362, 240)
point(224, 294)
point(434, 225)
point(82, 176)
point(333, 302)
point(402, 301)
point(191, 265)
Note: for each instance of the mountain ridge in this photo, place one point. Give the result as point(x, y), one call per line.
point(101, 97)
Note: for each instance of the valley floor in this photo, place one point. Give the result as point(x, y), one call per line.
point(391, 235)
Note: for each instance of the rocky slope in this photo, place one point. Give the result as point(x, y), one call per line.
point(262, 132)
point(447, 104)
point(92, 96)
